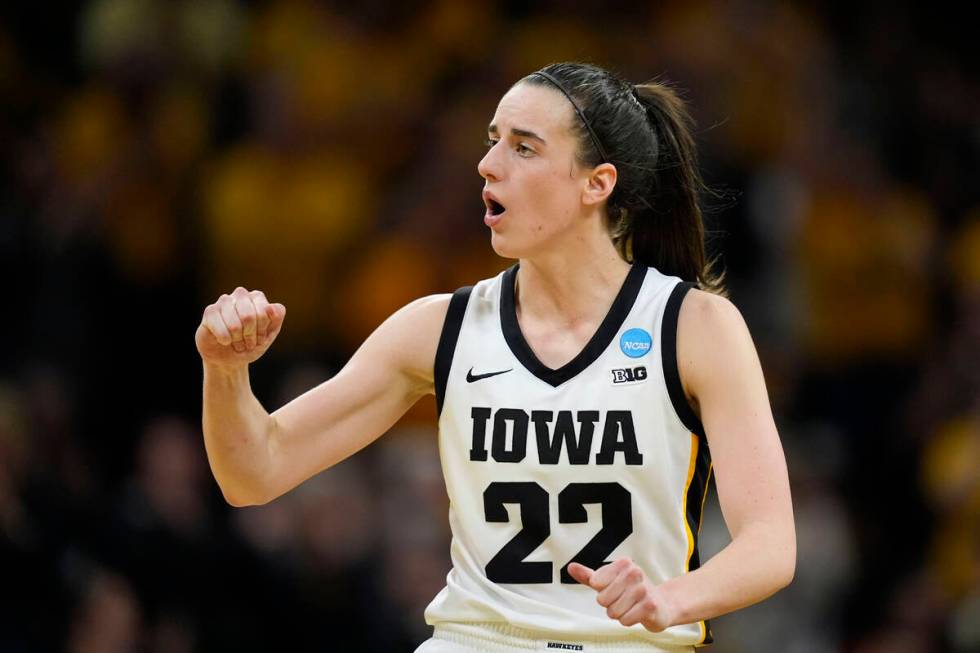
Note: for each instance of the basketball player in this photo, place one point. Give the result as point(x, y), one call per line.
point(578, 392)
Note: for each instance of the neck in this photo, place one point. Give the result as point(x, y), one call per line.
point(571, 285)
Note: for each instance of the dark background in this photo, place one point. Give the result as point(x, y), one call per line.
point(156, 154)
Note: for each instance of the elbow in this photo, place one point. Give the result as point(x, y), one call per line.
point(243, 501)
point(785, 565)
point(774, 558)
point(238, 500)
point(241, 497)
point(787, 570)
point(245, 479)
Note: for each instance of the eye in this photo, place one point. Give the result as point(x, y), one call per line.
point(490, 142)
point(524, 150)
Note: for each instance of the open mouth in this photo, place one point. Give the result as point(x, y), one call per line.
point(495, 210)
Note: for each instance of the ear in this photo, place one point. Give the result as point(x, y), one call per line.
point(600, 184)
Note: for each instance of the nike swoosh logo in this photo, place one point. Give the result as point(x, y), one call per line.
point(470, 377)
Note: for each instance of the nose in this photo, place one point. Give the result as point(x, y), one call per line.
point(489, 166)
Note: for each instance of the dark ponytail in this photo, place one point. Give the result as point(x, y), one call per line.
point(645, 131)
point(671, 235)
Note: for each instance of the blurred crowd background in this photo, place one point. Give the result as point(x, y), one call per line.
point(157, 153)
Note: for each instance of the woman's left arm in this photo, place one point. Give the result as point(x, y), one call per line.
point(720, 371)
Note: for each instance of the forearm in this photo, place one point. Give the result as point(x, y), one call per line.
point(757, 563)
point(237, 433)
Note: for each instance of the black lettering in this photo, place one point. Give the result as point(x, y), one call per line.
point(518, 444)
point(509, 566)
point(549, 447)
point(619, 422)
point(617, 520)
point(630, 375)
point(480, 418)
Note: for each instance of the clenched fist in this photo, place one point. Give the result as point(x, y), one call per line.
point(626, 594)
point(238, 328)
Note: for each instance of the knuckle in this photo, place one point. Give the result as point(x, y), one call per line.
point(634, 575)
point(239, 292)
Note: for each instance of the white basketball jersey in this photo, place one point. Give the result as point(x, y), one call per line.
point(597, 460)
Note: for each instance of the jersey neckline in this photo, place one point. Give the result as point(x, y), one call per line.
point(607, 330)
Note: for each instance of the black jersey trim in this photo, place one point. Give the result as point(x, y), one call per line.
point(447, 342)
point(614, 319)
point(697, 492)
point(668, 339)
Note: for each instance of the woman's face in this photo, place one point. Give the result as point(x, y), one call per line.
point(531, 173)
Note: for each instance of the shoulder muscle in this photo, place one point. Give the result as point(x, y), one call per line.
point(408, 340)
point(713, 342)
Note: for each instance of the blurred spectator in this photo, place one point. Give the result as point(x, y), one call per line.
point(108, 617)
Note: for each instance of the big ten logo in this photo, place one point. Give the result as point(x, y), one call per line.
point(630, 375)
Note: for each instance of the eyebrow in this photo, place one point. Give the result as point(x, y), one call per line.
point(517, 131)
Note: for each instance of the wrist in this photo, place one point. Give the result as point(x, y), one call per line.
point(671, 605)
point(231, 373)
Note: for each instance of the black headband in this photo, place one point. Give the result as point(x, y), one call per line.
point(595, 139)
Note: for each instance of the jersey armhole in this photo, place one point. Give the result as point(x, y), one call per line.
point(668, 338)
point(699, 474)
point(447, 342)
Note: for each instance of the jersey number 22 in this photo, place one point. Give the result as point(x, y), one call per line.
point(509, 566)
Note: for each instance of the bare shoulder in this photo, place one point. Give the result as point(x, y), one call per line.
point(705, 311)
point(419, 322)
point(409, 338)
point(430, 309)
point(711, 335)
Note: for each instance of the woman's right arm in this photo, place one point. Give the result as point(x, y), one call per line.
point(256, 456)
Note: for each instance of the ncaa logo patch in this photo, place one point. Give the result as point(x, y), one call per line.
point(636, 343)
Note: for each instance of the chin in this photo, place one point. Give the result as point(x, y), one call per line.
point(504, 247)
